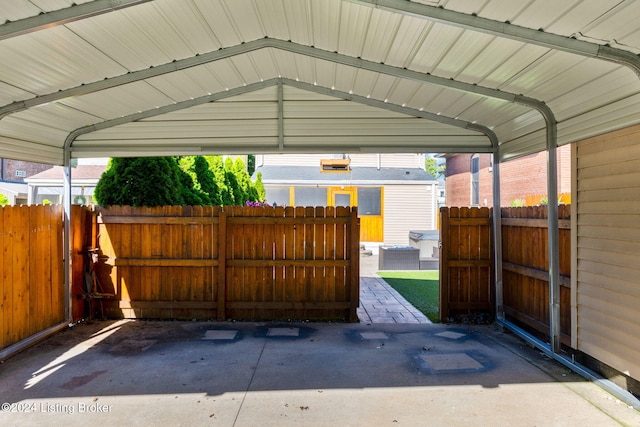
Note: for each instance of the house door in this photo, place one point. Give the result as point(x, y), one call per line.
point(371, 219)
point(340, 196)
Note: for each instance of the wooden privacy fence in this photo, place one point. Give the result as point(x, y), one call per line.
point(466, 266)
point(466, 263)
point(236, 263)
point(525, 268)
point(31, 280)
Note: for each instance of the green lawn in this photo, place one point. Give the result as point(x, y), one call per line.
point(420, 288)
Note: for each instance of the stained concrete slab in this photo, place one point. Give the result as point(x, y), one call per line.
point(326, 376)
point(220, 334)
point(283, 332)
point(451, 335)
point(451, 362)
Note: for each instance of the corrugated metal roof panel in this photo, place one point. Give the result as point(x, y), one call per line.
point(190, 25)
point(331, 107)
point(159, 32)
point(386, 144)
point(119, 101)
point(387, 127)
point(381, 31)
point(18, 149)
point(36, 65)
point(16, 10)
point(266, 94)
point(213, 129)
point(431, 52)
point(221, 110)
point(17, 127)
point(55, 116)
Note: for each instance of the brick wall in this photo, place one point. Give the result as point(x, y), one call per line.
point(10, 167)
point(458, 180)
point(518, 178)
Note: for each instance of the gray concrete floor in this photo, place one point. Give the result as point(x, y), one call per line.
point(152, 373)
point(382, 371)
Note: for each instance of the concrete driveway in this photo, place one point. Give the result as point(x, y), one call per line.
point(312, 374)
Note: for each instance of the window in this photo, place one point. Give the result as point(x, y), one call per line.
point(277, 196)
point(369, 201)
point(475, 180)
point(310, 196)
point(21, 174)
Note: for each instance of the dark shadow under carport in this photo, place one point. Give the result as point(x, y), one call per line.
point(245, 374)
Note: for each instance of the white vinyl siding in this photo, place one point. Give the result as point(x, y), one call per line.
point(387, 160)
point(607, 293)
point(406, 208)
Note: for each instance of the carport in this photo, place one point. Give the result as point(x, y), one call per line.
point(142, 78)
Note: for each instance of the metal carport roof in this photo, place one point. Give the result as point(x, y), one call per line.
point(103, 71)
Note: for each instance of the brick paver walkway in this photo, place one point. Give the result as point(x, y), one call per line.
point(380, 303)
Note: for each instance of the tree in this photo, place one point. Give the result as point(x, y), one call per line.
point(3, 200)
point(187, 180)
point(207, 180)
point(433, 168)
point(145, 181)
point(259, 187)
point(232, 183)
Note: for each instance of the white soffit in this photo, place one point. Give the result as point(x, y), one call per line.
point(588, 96)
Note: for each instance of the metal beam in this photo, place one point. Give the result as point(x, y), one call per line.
point(67, 238)
point(244, 48)
point(505, 29)
point(166, 109)
point(63, 16)
point(493, 140)
point(280, 116)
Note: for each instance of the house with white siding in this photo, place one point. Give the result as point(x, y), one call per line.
point(393, 192)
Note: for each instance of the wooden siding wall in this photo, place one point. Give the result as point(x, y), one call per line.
point(240, 263)
point(31, 280)
point(406, 208)
point(466, 262)
point(388, 160)
point(525, 268)
point(608, 249)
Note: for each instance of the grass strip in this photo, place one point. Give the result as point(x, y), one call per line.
point(420, 287)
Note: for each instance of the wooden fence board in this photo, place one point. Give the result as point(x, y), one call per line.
point(21, 282)
point(7, 277)
point(525, 268)
point(31, 280)
point(466, 284)
point(243, 263)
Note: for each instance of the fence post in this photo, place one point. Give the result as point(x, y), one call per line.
point(444, 264)
point(355, 265)
point(222, 264)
